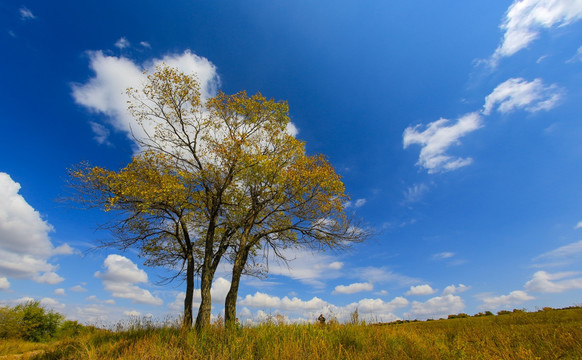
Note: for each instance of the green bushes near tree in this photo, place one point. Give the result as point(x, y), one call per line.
point(32, 322)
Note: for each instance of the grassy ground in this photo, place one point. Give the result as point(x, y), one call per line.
point(550, 334)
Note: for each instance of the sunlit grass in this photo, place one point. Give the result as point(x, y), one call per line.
point(550, 334)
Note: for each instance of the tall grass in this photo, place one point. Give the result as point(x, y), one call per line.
point(550, 334)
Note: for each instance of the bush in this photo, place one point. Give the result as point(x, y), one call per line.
point(29, 321)
point(503, 312)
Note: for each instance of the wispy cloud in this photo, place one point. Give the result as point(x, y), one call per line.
point(415, 193)
point(26, 14)
point(545, 282)
point(563, 255)
point(436, 139)
point(526, 18)
point(122, 43)
point(579, 225)
point(518, 93)
point(443, 255)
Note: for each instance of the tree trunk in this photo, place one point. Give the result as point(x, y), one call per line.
point(237, 270)
point(187, 321)
point(203, 317)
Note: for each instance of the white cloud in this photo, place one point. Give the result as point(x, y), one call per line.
point(265, 301)
point(579, 225)
point(145, 44)
point(353, 288)
point(132, 313)
point(513, 298)
point(122, 43)
point(437, 138)
point(543, 282)
point(518, 93)
point(78, 288)
point(59, 291)
point(452, 289)
point(306, 266)
point(120, 277)
point(48, 277)
point(105, 92)
point(424, 289)
point(437, 307)
point(4, 283)
point(360, 203)
point(563, 255)
point(26, 14)
point(297, 310)
point(525, 18)
point(25, 245)
point(51, 303)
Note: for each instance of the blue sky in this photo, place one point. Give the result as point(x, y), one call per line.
point(456, 127)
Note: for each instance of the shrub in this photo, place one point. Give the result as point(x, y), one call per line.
point(29, 321)
point(503, 312)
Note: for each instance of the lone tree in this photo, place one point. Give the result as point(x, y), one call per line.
point(215, 177)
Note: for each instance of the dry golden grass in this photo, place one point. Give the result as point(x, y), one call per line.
point(552, 334)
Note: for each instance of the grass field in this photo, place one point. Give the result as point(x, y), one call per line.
point(547, 334)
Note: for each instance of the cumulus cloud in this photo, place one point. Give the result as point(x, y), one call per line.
point(298, 310)
point(120, 278)
point(59, 291)
point(452, 289)
point(579, 225)
point(104, 93)
point(48, 277)
point(545, 282)
point(4, 283)
point(26, 14)
point(518, 93)
point(25, 245)
point(513, 298)
point(437, 137)
point(424, 289)
point(526, 18)
point(437, 307)
point(353, 288)
point(78, 288)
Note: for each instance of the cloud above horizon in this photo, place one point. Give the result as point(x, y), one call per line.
point(25, 244)
point(120, 278)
